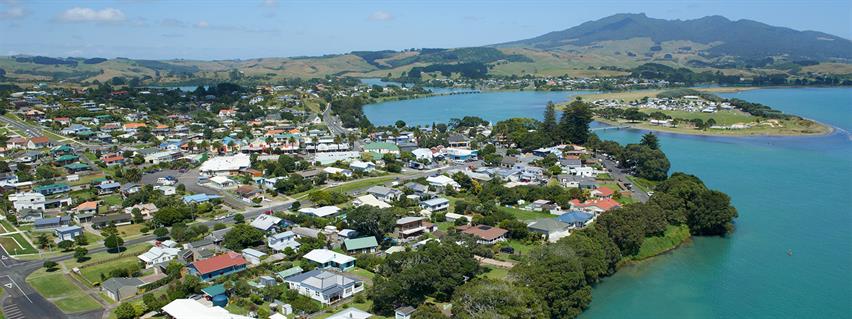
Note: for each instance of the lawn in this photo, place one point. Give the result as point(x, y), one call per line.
point(652, 246)
point(362, 183)
point(12, 248)
point(64, 294)
point(112, 200)
point(93, 273)
point(524, 215)
point(83, 303)
point(496, 273)
point(363, 273)
point(53, 285)
point(7, 226)
point(131, 251)
point(130, 230)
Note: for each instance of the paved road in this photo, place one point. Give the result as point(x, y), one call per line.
point(335, 126)
point(32, 130)
point(619, 175)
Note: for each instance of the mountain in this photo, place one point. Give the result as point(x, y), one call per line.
point(742, 38)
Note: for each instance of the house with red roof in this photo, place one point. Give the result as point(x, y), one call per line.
point(596, 205)
point(38, 142)
point(602, 192)
point(484, 234)
point(113, 159)
point(220, 265)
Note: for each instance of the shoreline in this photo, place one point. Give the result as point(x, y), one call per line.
point(716, 133)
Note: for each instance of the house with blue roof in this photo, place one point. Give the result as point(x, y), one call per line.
point(199, 198)
point(576, 218)
point(52, 222)
point(68, 232)
point(171, 145)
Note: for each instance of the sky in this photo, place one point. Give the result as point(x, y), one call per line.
point(217, 29)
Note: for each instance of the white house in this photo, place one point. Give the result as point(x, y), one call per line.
point(193, 309)
point(324, 211)
point(351, 313)
point(385, 194)
point(422, 154)
point(219, 181)
point(335, 170)
point(435, 204)
point(585, 171)
point(325, 259)
point(225, 165)
point(325, 286)
point(442, 182)
point(157, 255)
point(265, 222)
point(28, 200)
point(253, 256)
point(360, 166)
point(369, 200)
point(281, 241)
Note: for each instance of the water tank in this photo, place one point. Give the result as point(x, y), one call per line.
point(220, 300)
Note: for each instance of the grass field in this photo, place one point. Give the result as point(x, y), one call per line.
point(13, 248)
point(93, 273)
point(112, 200)
point(496, 273)
point(362, 183)
point(653, 246)
point(64, 294)
point(130, 230)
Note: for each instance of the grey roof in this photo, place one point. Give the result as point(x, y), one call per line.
point(116, 283)
point(381, 190)
point(111, 218)
point(407, 310)
point(417, 187)
point(322, 280)
point(549, 225)
point(436, 201)
point(206, 241)
point(457, 138)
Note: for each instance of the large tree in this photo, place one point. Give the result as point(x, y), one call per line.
point(371, 221)
point(548, 125)
point(574, 124)
point(242, 236)
point(488, 298)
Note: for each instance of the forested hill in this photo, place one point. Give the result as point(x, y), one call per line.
point(742, 38)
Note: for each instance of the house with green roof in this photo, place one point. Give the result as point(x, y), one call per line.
point(289, 272)
point(378, 149)
point(62, 150)
point(214, 290)
point(51, 189)
point(363, 245)
point(67, 159)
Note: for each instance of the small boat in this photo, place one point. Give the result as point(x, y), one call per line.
point(789, 252)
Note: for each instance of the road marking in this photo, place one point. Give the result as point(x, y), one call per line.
point(19, 287)
point(13, 312)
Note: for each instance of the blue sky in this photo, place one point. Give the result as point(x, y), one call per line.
point(215, 29)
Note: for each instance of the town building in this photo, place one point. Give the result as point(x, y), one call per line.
point(325, 286)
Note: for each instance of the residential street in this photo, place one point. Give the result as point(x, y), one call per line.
point(621, 177)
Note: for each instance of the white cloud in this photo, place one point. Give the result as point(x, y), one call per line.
point(381, 16)
point(78, 14)
point(202, 24)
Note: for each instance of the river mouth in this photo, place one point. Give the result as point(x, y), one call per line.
point(792, 194)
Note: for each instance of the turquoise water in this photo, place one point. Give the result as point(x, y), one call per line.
point(793, 193)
